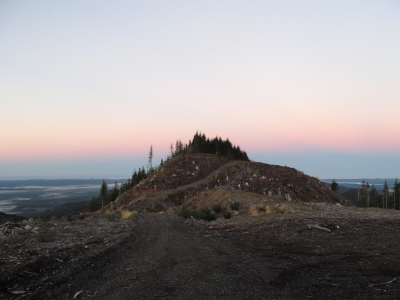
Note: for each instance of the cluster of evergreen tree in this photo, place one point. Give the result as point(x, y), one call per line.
point(105, 196)
point(368, 196)
point(202, 144)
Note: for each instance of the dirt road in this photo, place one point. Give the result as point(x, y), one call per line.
point(243, 258)
point(144, 202)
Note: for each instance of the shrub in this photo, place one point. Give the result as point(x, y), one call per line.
point(261, 208)
point(217, 208)
point(45, 235)
point(126, 214)
point(227, 212)
point(187, 212)
point(81, 216)
point(45, 217)
point(206, 214)
point(112, 217)
point(70, 218)
point(235, 205)
point(283, 209)
point(253, 211)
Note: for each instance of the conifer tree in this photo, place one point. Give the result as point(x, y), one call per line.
point(334, 186)
point(150, 161)
point(396, 194)
point(385, 194)
point(103, 193)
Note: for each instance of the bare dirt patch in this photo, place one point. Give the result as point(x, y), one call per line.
point(270, 256)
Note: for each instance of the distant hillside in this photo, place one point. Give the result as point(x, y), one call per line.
point(67, 209)
point(351, 195)
point(6, 217)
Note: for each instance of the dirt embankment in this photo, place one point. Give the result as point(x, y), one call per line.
point(270, 256)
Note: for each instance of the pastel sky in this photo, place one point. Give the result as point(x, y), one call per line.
point(87, 86)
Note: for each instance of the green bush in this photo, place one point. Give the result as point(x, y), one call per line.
point(235, 205)
point(45, 235)
point(45, 217)
point(206, 214)
point(227, 213)
point(187, 212)
point(217, 208)
point(81, 216)
point(70, 218)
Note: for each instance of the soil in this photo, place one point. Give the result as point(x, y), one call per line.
point(292, 238)
point(268, 256)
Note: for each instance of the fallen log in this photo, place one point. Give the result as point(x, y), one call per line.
point(318, 227)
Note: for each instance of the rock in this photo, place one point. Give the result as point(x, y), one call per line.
point(197, 167)
point(246, 184)
point(269, 193)
point(288, 198)
point(27, 227)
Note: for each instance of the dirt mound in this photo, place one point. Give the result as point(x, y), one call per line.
point(176, 172)
point(273, 180)
point(186, 177)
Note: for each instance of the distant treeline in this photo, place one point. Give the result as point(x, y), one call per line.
point(368, 196)
point(107, 195)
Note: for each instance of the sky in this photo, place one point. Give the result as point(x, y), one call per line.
point(86, 87)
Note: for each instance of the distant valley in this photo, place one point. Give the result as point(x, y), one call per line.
point(29, 198)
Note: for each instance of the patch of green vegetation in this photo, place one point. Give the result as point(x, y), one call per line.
point(235, 205)
point(217, 208)
point(227, 212)
point(45, 217)
point(46, 236)
point(70, 218)
point(81, 216)
point(187, 212)
point(205, 214)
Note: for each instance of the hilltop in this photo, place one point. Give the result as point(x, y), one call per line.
point(183, 178)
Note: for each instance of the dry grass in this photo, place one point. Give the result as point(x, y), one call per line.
point(126, 214)
point(259, 209)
